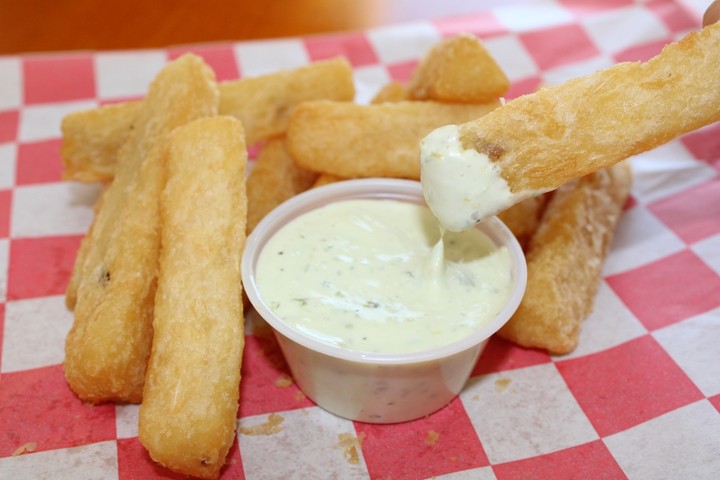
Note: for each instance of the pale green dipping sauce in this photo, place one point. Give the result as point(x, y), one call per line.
point(372, 276)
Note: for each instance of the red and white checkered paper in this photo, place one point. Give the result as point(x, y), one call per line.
point(639, 398)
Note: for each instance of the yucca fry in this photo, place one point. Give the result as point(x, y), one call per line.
point(540, 141)
point(524, 217)
point(391, 92)
point(264, 103)
point(565, 258)
point(458, 69)
point(91, 138)
point(352, 140)
point(327, 179)
point(107, 348)
point(274, 178)
point(188, 415)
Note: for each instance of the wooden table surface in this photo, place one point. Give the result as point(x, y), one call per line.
point(53, 25)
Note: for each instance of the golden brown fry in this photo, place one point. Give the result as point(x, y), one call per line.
point(91, 138)
point(392, 92)
point(523, 218)
point(273, 179)
point(327, 179)
point(540, 141)
point(188, 415)
point(106, 350)
point(565, 258)
point(458, 69)
point(264, 104)
point(352, 140)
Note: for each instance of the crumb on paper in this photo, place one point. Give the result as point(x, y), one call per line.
point(432, 437)
point(272, 425)
point(283, 381)
point(299, 396)
point(25, 448)
point(501, 384)
point(351, 444)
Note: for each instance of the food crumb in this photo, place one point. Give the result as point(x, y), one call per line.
point(283, 381)
point(299, 396)
point(25, 448)
point(350, 445)
point(501, 384)
point(432, 437)
point(272, 425)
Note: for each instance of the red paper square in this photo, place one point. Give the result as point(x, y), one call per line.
point(9, 125)
point(500, 355)
point(676, 18)
point(221, 58)
point(715, 402)
point(558, 46)
point(2, 333)
point(704, 144)
point(640, 53)
point(38, 406)
point(583, 8)
point(5, 204)
point(353, 46)
point(264, 387)
point(401, 72)
point(681, 213)
point(58, 79)
point(134, 463)
point(441, 443)
point(627, 385)
point(39, 162)
point(669, 290)
point(40, 267)
point(523, 87)
point(483, 25)
point(589, 461)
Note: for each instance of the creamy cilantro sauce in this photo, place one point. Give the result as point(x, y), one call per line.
point(461, 186)
point(374, 276)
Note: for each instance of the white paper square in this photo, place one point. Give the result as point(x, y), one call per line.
point(42, 122)
point(34, 334)
point(307, 446)
point(539, 15)
point(694, 344)
point(126, 420)
point(268, 56)
point(666, 170)
point(684, 443)
point(709, 250)
point(484, 473)
point(512, 57)
point(11, 85)
point(609, 325)
point(97, 461)
point(533, 414)
point(402, 43)
point(640, 238)
point(620, 29)
point(127, 74)
point(368, 80)
point(8, 156)
point(52, 209)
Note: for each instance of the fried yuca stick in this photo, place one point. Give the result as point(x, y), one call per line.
point(524, 217)
point(91, 138)
point(274, 178)
point(539, 141)
point(458, 69)
point(565, 258)
point(391, 92)
point(353, 140)
point(188, 415)
point(107, 348)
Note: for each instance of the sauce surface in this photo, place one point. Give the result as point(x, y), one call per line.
point(461, 186)
point(376, 276)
